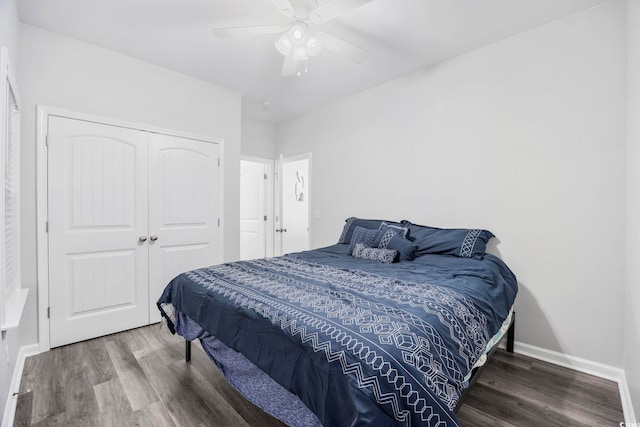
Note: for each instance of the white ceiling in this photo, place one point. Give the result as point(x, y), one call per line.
point(402, 36)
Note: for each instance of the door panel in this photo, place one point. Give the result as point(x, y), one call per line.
point(102, 281)
point(294, 200)
point(183, 210)
point(253, 227)
point(97, 210)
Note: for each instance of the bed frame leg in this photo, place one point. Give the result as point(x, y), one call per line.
point(187, 355)
point(511, 333)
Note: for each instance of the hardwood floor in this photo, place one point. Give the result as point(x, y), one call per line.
point(139, 378)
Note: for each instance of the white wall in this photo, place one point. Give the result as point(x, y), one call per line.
point(258, 139)
point(632, 309)
point(525, 137)
point(9, 22)
point(13, 339)
point(57, 71)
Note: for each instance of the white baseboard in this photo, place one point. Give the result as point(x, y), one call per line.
point(10, 408)
point(627, 404)
point(583, 365)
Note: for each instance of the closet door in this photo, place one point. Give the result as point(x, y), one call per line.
point(183, 210)
point(98, 222)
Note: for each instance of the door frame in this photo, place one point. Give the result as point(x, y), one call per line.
point(42, 204)
point(277, 243)
point(269, 198)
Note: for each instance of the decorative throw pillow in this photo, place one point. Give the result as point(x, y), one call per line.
point(461, 242)
point(386, 256)
point(406, 249)
point(368, 237)
point(386, 238)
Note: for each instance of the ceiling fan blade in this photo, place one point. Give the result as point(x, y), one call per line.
point(246, 31)
point(341, 47)
point(334, 8)
point(284, 6)
point(289, 67)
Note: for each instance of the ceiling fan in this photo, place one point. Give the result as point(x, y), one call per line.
point(298, 41)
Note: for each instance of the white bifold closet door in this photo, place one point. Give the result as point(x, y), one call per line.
point(183, 210)
point(128, 210)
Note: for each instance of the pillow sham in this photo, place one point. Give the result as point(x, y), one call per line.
point(353, 222)
point(402, 231)
point(461, 242)
point(386, 256)
point(367, 236)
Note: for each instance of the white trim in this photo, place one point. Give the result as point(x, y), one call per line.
point(221, 157)
point(14, 306)
point(10, 407)
point(59, 112)
point(583, 365)
point(627, 404)
point(42, 120)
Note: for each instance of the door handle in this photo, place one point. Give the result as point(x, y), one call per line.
point(281, 230)
point(153, 238)
point(142, 239)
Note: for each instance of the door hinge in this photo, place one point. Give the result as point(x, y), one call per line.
point(218, 161)
point(218, 222)
point(265, 217)
point(265, 176)
point(46, 226)
point(48, 312)
point(46, 140)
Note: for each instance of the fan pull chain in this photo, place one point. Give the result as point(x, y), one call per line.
point(299, 67)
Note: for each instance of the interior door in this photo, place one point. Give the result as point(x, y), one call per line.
point(183, 210)
point(97, 215)
point(253, 213)
point(294, 192)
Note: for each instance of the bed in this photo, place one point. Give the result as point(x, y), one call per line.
point(335, 337)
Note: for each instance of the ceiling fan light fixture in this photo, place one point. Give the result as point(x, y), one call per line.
point(300, 54)
point(313, 45)
point(284, 44)
point(299, 43)
point(297, 34)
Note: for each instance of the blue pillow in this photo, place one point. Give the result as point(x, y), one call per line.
point(461, 242)
point(374, 254)
point(353, 222)
point(368, 237)
point(392, 240)
point(405, 248)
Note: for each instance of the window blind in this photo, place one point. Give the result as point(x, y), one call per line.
point(11, 201)
point(12, 296)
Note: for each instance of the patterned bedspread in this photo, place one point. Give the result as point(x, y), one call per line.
point(357, 344)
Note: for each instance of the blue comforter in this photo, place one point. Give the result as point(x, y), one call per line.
point(360, 343)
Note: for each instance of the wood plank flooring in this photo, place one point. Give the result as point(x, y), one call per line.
point(139, 378)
